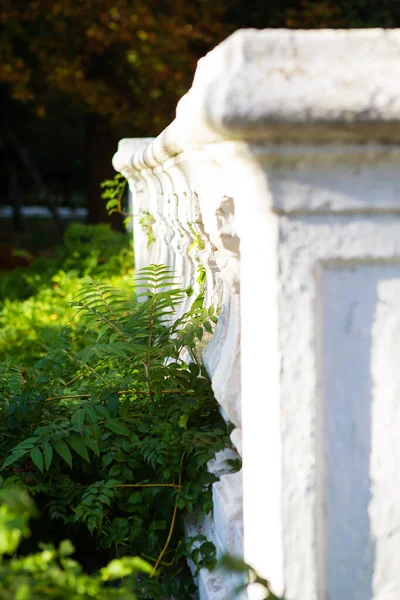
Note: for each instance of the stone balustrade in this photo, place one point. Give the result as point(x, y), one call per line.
point(277, 188)
point(184, 219)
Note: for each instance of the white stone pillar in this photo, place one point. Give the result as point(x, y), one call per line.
point(306, 128)
point(295, 137)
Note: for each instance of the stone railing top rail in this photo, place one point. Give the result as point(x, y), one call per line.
point(288, 86)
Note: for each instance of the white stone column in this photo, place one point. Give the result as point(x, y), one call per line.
point(306, 128)
point(290, 141)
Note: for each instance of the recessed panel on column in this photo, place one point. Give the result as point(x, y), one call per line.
point(359, 433)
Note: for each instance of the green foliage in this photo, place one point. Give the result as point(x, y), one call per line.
point(146, 222)
point(96, 250)
point(15, 509)
point(51, 572)
point(118, 64)
point(114, 191)
point(112, 430)
point(232, 564)
point(35, 302)
point(88, 250)
point(115, 196)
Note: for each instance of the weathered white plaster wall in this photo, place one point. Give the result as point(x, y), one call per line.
point(280, 176)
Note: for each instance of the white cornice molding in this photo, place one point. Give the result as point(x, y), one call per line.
point(284, 85)
point(127, 149)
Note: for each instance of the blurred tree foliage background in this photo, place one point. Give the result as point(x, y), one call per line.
point(76, 75)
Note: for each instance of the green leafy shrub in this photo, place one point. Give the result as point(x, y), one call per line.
point(51, 572)
point(87, 250)
point(111, 432)
point(35, 302)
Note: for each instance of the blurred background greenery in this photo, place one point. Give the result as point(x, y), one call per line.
point(76, 75)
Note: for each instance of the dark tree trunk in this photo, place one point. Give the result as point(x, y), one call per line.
point(100, 146)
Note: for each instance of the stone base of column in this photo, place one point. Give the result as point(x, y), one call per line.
point(223, 526)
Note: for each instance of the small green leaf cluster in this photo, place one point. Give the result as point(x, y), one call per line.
point(114, 192)
point(94, 502)
point(112, 430)
point(12, 378)
point(146, 222)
